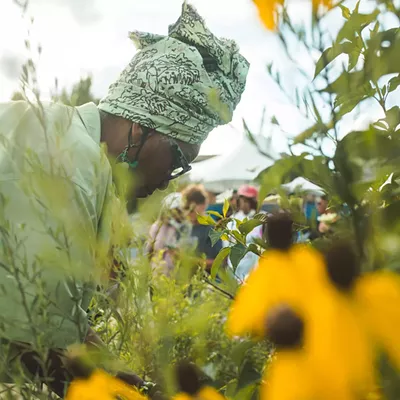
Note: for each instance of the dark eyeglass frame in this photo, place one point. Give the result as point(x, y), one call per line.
point(178, 158)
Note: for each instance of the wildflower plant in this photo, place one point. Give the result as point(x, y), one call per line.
point(325, 321)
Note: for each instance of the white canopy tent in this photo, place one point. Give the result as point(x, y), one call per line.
point(303, 185)
point(234, 169)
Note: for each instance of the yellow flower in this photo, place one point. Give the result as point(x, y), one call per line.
point(327, 4)
point(101, 386)
point(285, 275)
point(206, 393)
point(323, 348)
point(268, 11)
point(375, 297)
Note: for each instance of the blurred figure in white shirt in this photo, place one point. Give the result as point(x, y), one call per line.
point(247, 208)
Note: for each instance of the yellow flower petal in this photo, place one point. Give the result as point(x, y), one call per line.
point(378, 297)
point(288, 378)
point(209, 393)
point(339, 348)
point(267, 10)
point(101, 386)
point(280, 278)
point(182, 396)
point(268, 285)
point(326, 4)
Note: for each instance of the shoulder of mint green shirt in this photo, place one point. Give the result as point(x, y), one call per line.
point(55, 187)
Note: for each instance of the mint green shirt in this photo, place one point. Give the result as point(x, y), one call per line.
point(55, 185)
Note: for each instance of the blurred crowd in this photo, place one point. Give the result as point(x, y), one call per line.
point(177, 228)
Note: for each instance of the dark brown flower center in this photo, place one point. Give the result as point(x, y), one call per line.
point(279, 231)
point(188, 377)
point(343, 265)
point(285, 329)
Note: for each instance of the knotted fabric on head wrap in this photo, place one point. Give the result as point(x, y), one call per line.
point(182, 85)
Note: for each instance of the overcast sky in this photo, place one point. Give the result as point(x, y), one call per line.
point(81, 37)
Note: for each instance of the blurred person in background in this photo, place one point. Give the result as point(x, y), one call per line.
point(152, 123)
point(214, 205)
point(233, 202)
point(310, 209)
point(166, 233)
point(247, 208)
point(195, 203)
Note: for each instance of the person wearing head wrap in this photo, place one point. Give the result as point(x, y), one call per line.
point(64, 219)
point(172, 94)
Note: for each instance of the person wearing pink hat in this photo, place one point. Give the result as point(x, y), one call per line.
point(247, 201)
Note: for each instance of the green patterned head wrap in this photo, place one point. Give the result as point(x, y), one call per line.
point(182, 85)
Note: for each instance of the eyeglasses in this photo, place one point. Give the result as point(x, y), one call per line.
point(179, 166)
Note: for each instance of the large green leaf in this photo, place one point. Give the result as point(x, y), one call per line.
point(222, 255)
point(356, 23)
point(248, 375)
point(249, 225)
point(394, 83)
point(346, 82)
point(330, 54)
point(240, 350)
point(347, 101)
point(215, 236)
point(383, 54)
point(238, 251)
point(363, 157)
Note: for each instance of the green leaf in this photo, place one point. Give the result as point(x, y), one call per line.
point(261, 243)
point(346, 82)
point(330, 54)
point(394, 83)
point(249, 225)
point(248, 392)
point(240, 350)
point(383, 54)
point(355, 24)
point(222, 255)
point(252, 248)
point(215, 236)
point(348, 101)
point(375, 30)
point(225, 208)
point(205, 220)
point(354, 55)
point(238, 251)
point(345, 11)
point(393, 117)
point(248, 375)
point(318, 129)
point(215, 213)
point(274, 121)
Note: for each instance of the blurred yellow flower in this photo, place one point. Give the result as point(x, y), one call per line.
point(101, 386)
point(281, 277)
point(377, 296)
point(327, 4)
point(269, 10)
point(324, 350)
point(206, 393)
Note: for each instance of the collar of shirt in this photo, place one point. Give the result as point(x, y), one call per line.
point(90, 116)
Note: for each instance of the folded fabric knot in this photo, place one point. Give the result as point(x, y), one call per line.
point(182, 85)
